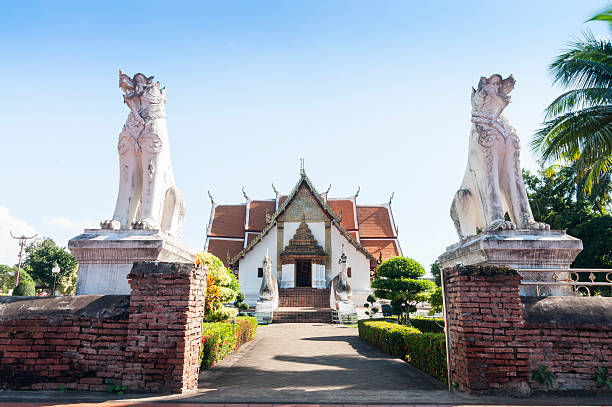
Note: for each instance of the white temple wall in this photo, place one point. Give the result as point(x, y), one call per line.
point(357, 261)
point(248, 265)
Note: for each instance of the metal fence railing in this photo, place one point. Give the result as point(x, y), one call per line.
point(578, 282)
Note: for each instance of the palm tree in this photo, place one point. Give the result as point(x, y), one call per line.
point(578, 124)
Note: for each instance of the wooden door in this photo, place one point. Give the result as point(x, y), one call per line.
point(303, 274)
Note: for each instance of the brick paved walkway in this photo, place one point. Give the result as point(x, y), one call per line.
point(313, 357)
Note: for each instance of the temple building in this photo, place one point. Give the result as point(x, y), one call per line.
point(304, 233)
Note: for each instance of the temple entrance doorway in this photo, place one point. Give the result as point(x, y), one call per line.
point(303, 274)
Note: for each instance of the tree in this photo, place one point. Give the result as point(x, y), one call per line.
point(436, 273)
point(556, 200)
point(26, 287)
point(42, 255)
point(222, 285)
point(7, 278)
point(397, 279)
point(578, 124)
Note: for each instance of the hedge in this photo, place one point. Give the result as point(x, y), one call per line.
point(423, 324)
point(219, 339)
point(425, 351)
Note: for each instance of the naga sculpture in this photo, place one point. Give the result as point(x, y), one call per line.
point(493, 184)
point(269, 286)
point(148, 197)
point(341, 290)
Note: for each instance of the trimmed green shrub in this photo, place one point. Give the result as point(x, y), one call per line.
point(219, 339)
point(26, 287)
point(425, 351)
point(433, 325)
point(247, 327)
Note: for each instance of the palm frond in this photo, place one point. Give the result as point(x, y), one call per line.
point(603, 15)
point(577, 99)
point(566, 136)
point(586, 64)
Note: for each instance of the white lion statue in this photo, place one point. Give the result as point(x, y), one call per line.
point(493, 184)
point(148, 197)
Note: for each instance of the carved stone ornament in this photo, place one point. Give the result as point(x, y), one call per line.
point(148, 197)
point(493, 183)
point(303, 246)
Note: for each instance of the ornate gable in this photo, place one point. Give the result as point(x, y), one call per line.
point(303, 206)
point(303, 246)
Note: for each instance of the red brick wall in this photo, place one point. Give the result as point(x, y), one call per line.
point(493, 346)
point(149, 341)
point(40, 353)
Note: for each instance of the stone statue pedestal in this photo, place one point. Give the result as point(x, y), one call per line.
point(264, 312)
point(519, 249)
point(106, 257)
point(347, 313)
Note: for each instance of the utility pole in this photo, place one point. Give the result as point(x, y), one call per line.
point(22, 242)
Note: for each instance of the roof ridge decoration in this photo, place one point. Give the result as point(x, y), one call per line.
point(335, 221)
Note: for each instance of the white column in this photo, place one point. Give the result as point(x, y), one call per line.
point(288, 280)
point(318, 276)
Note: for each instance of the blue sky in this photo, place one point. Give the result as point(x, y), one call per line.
point(374, 94)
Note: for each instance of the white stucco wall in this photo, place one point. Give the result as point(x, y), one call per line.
point(248, 265)
point(357, 261)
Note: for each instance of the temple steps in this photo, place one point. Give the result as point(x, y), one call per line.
point(303, 297)
point(302, 314)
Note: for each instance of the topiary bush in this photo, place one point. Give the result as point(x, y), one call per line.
point(221, 315)
point(425, 351)
point(26, 287)
point(398, 279)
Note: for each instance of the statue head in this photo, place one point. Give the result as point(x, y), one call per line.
point(493, 94)
point(267, 263)
point(135, 84)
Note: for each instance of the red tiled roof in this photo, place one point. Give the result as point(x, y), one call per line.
point(348, 215)
point(388, 247)
point(374, 221)
point(220, 248)
point(257, 214)
point(228, 221)
point(281, 199)
point(251, 237)
point(353, 234)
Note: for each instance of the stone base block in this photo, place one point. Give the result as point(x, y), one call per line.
point(264, 312)
point(519, 249)
point(347, 313)
point(106, 257)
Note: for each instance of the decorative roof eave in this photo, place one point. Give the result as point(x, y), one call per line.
point(326, 208)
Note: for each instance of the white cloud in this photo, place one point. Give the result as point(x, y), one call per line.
point(9, 247)
point(69, 224)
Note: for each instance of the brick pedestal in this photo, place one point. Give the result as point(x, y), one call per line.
point(165, 326)
point(497, 338)
point(484, 313)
